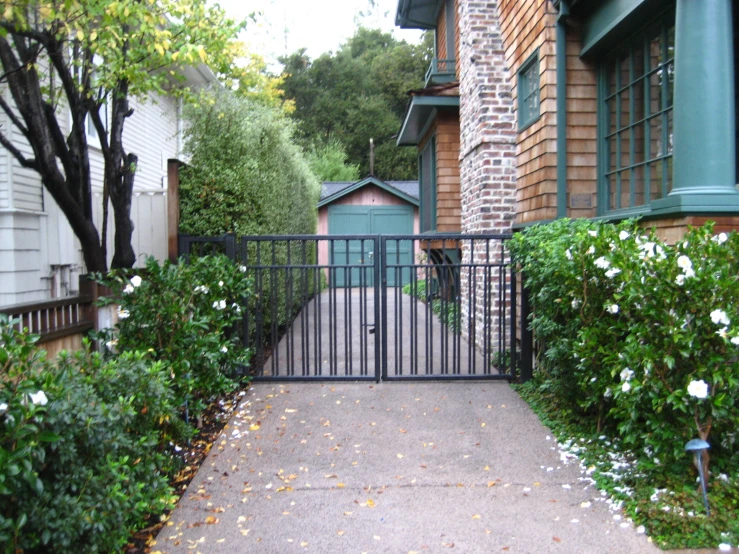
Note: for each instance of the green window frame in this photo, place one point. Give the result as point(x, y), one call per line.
point(529, 92)
point(635, 107)
point(427, 186)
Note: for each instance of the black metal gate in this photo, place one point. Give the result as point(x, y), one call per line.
point(376, 307)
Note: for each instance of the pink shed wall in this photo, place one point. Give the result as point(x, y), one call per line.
point(369, 195)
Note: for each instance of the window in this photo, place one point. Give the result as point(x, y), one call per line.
point(528, 92)
point(636, 118)
point(427, 186)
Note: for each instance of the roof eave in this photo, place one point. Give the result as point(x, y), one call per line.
point(418, 112)
point(364, 182)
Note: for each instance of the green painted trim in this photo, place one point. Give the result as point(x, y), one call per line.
point(364, 182)
point(417, 14)
point(695, 204)
point(430, 150)
point(451, 51)
point(609, 15)
point(561, 61)
point(417, 115)
point(531, 62)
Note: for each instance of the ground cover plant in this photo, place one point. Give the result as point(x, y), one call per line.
point(639, 345)
point(92, 444)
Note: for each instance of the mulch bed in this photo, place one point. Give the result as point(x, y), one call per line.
point(192, 456)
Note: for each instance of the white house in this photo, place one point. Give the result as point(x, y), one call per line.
point(40, 258)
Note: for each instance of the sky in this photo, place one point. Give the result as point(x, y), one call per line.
point(284, 26)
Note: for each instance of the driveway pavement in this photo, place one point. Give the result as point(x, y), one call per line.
point(391, 467)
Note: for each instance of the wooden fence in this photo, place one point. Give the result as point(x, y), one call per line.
point(60, 323)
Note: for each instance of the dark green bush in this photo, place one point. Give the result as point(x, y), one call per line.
point(186, 316)
point(80, 462)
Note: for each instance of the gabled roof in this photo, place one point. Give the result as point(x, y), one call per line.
point(417, 14)
point(333, 190)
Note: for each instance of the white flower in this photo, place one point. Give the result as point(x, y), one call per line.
point(220, 283)
point(647, 249)
point(593, 233)
point(719, 317)
point(39, 398)
point(575, 304)
point(720, 238)
point(608, 393)
point(202, 288)
point(136, 281)
point(242, 268)
point(128, 289)
point(724, 547)
point(602, 263)
point(626, 387)
point(224, 349)
point(219, 304)
point(568, 254)
point(3, 407)
point(680, 279)
point(236, 307)
point(626, 374)
point(735, 340)
point(698, 389)
point(591, 250)
point(613, 308)
point(123, 314)
point(689, 272)
point(623, 235)
point(611, 273)
point(683, 262)
point(111, 344)
point(722, 332)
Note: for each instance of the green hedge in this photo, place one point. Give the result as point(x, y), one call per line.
point(640, 336)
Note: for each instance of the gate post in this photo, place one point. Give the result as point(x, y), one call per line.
point(380, 279)
point(230, 242)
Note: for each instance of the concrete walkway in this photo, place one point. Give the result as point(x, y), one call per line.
point(394, 467)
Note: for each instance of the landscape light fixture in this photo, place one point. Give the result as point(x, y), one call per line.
point(697, 446)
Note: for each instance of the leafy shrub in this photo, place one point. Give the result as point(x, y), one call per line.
point(639, 335)
point(446, 310)
point(187, 317)
point(79, 463)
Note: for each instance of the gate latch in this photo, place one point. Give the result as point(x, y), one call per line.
point(371, 326)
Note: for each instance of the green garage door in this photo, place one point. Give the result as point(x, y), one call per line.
point(369, 220)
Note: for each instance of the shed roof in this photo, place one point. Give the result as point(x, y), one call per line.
point(333, 190)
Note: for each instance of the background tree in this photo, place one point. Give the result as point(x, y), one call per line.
point(358, 93)
point(329, 163)
point(64, 61)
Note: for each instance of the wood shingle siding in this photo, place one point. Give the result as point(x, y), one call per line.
point(528, 26)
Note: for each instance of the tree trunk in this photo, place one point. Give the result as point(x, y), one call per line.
point(120, 195)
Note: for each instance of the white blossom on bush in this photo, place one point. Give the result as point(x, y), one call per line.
point(720, 238)
point(219, 304)
point(626, 374)
point(220, 283)
point(602, 263)
point(136, 281)
point(593, 233)
point(683, 262)
point(608, 393)
point(242, 268)
point(3, 407)
point(723, 332)
point(611, 273)
point(111, 344)
point(626, 386)
point(39, 398)
point(123, 314)
point(128, 289)
point(719, 317)
point(623, 235)
point(680, 279)
point(568, 254)
point(202, 288)
point(613, 308)
point(735, 340)
point(698, 389)
point(224, 349)
point(591, 250)
point(575, 303)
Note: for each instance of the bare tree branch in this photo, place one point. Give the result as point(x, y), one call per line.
point(17, 154)
point(13, 118)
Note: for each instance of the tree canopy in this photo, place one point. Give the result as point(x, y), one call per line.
point(64, 61)
point(358, 93)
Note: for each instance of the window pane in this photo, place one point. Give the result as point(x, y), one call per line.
point(655, 137)
point(637, 185)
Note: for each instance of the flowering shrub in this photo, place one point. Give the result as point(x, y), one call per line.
point(79, 458)
point(185, 316)
point(641, 336)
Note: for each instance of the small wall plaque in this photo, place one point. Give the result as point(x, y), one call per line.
point(581, 201)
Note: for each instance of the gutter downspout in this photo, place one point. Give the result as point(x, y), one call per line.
point(561, 61)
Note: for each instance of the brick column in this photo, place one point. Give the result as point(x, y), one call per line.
point(487, 139)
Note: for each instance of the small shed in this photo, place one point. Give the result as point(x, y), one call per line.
point(366, 207)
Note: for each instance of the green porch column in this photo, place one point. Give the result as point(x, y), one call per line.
point(704, 147)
